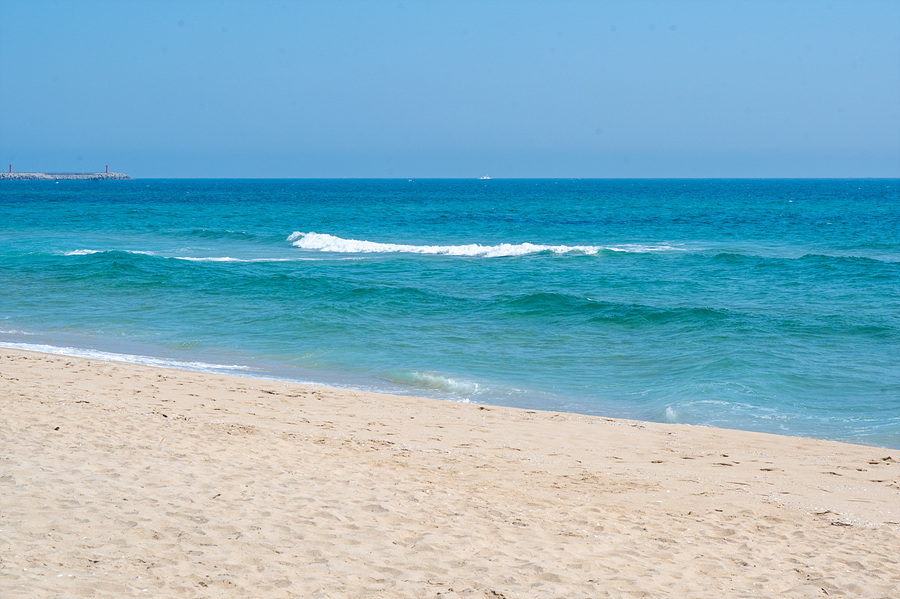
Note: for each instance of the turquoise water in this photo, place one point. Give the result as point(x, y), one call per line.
point(770, 305)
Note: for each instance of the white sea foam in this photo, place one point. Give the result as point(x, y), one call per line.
point(127, 358)
point(671, 415)
point(89, 252)
point(435, 382)
point(229, 259)
point(188, 258)
point(323, 242)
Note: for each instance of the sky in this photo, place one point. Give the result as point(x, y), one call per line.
point(448, 89)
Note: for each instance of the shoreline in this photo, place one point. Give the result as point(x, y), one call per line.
point(249, 372)
point(119, 477)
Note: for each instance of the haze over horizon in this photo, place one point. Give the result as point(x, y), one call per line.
point(452, 89)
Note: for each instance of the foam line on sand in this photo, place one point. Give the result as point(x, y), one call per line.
point(126, 480)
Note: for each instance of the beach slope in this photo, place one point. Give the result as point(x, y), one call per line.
point(119, 480)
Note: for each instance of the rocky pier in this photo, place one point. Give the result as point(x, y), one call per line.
point(62, 176)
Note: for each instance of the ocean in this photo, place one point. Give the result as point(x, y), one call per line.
point(765, 305)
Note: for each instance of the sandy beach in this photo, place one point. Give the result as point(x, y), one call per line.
point(119, 480)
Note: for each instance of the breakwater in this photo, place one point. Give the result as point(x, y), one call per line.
point(61, 176)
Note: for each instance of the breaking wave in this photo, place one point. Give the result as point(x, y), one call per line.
point(324, 242)
point(91, 252)
point(85, 252)
point(434, 382)
point(230, 259)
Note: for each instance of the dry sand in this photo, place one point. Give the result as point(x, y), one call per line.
point(119, 480)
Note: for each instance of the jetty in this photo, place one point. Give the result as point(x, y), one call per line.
point(61, 176)
point(11, 176)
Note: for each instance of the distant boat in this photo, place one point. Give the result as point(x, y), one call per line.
point(484, 178)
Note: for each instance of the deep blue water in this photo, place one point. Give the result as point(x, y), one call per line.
point(769, 305)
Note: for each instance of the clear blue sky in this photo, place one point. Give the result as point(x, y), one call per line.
point(452, 89)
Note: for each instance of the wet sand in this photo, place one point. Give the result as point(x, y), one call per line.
point(119, 480)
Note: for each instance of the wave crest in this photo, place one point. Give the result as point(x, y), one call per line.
point(92, 252)
point(324, 242)
point(230, 259)
point(434, 382)
point(560, 305)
